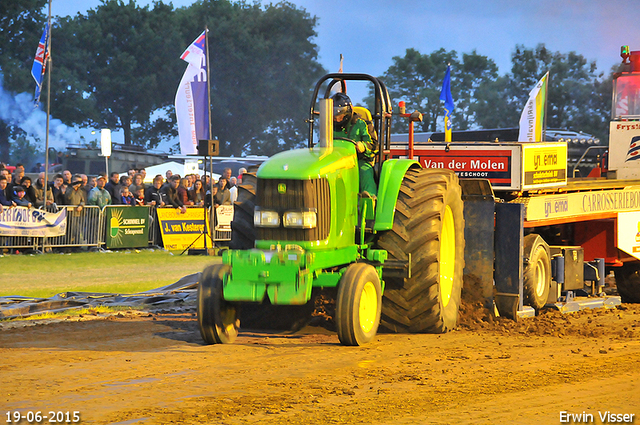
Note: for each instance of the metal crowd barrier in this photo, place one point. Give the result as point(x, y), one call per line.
point(84, 228)
point(87, 228)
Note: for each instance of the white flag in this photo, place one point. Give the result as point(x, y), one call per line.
point(192, 99)
point(532, 118)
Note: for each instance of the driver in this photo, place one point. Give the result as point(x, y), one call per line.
point(347, 125)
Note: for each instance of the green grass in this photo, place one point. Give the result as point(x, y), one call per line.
point(122, 272)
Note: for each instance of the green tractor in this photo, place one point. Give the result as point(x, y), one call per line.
point(300, 225)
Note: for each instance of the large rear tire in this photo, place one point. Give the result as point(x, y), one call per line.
point(243, 232)
point(358, 304)
point(217, 318)
point(428, 225)
point(628, 282)
point(536, 273)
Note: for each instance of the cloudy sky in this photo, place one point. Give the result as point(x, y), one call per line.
point(369, 33)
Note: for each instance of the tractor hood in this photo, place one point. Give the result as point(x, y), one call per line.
point(309, 163)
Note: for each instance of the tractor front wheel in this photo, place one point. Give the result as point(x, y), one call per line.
point(358, 304)
point(536, 273)
point(217, 318)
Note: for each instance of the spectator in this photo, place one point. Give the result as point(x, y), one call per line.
point(99, 195)
point(18, 174)
point(29, 190)
point(226, 174)
point(138, 196)
point(125, 181)
point(114, 179)
point(56, 189)
point(241, 171)
point(39, 188)
point(138, 181)
point(183, 191)
point(91, 183)
point(196, 193)
point(5, 196)
point(131, 173)
point(74, 194)
point(66, 176)
point(168, 176)
point(126, 198)
point(154, 195)
point(18, 197)
point(171, 193)
point(223, 197)
point(144, 174)
point(233, 191)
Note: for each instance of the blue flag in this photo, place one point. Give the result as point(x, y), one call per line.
point(445, 95)
point(40, 62)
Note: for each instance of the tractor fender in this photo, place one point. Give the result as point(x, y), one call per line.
point(391, 175)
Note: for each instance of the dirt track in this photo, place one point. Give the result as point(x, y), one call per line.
point(154, 369)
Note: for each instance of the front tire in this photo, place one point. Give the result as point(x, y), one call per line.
point(217, 318)
point(358, 304)
point(428, 225)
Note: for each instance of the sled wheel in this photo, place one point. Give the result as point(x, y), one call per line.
point(217, 318)
point(628, 282)
point(536, 273)
point(358, 304)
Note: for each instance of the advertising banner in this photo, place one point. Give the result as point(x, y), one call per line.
point(181, 231)
point(583, 203)
point(127, 227)
point(23, 221)
point(544, 164)
point(224, 217)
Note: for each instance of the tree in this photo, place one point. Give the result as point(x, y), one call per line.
point(116, 66)
point(263, 66)
point(578, 97)
point(417, 79)
point(22, 23)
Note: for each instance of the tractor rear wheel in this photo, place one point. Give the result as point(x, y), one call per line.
point(217, 318)
point(243, 232)
point(428, 230)
point(358, 304)
point(628, 282)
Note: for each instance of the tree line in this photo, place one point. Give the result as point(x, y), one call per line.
point(118, 67)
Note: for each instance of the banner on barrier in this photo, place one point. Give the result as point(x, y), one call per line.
point(224, 217)
point(181, 231)
point(23, 221)
point(127, 227)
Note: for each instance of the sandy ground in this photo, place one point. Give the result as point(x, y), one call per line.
point(153, 368)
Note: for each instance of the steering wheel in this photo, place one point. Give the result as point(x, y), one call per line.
point(352, 141)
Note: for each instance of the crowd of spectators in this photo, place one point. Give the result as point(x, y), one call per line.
point(79, 190)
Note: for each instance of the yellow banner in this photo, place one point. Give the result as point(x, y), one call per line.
point(180, 231)
point(544, 164)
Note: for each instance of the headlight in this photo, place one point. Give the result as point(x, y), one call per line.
point(300, 219)
point(266, 218)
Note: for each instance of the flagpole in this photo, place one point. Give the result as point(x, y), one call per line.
point(46, 144)
point(546, 102)
point(211, 216)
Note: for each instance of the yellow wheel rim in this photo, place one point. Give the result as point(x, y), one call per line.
point(368, 307)
point(447, 256)
point(541, 278)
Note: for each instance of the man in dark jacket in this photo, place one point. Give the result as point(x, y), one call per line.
point(171, 193)
point(154, 194)
point(5, 196)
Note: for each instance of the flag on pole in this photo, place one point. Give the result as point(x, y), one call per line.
point(532, 118)
point(40, 62)
point(445, 95)
point(192, 100)
point(337, 88)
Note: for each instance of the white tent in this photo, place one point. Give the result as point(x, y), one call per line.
point(175, 167)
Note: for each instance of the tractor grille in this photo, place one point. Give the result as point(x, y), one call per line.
point(299, 194)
